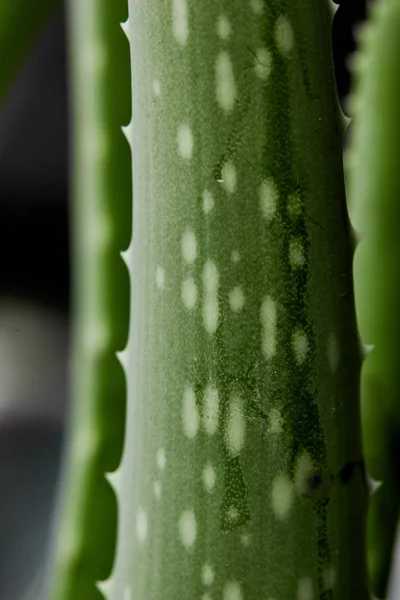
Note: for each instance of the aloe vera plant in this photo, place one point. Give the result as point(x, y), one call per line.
point(242, 473)
point(236, 469)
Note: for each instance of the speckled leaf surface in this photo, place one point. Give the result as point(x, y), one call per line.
point(242, 474)
point(374, 193)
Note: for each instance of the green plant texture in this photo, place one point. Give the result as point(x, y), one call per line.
point(374, 192)
point(216, 439)
point(242, 474)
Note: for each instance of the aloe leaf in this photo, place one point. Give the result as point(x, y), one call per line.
point(20, 22)
point(242, 475)
point(101, 224)
point(374, 193)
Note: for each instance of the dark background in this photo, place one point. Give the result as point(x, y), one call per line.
point(35, 296)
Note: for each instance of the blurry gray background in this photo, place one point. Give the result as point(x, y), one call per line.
point(34, 299)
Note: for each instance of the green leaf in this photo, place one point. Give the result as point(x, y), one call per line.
point(374, 193)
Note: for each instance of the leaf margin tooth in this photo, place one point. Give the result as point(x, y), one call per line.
point(125, 28)
point(127, 130)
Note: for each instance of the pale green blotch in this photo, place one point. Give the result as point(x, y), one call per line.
point(189, 246)
point(268, 314)
point(275, 421)
point(127, 594)
point(189, 293)
point(161, 459)
point(257, 6)
point(224, 28)
point(207, 575)
point(209, 477)
point(141, 525)
point(211, 409)
point(296, 253)
point(235, 431)
point(210, 296)
point(263, 63)
point(160, 278)
point(268, 196)
point(156, 87)
point(294, 205)
point(225, 86)
point(180, 24)
point(300, 346)
point(232, 591)
point(187, 528)
point(190, 414)
point(236, 299)
point(185, 140)
point(284, 37)
point(228, 177)
point(208, 202)
point(305, 589)
point(282, 496)
point(157, 489)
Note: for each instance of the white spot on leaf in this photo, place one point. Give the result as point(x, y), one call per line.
point(294, 206)
point(284, 37)
point(305, 589)
point(157, 489)
point(208, 202)
point(156, 87)
point(225, 82)
point(275, 421)
point(189, 293)
point(257, 6)
point(190, 414)
point(300, 346)
point(229, 178)
point(209, 477)
point(235, 256)
point(296, 253)
point(232, 591)
point(189, 246)
point(268, 315)
point(180, 25)
point(224, 28)
point(235, 426)
point(160, 278)
point(187, 528)
point(207, 575)
point(281, 496)
point(211, 409)
point(236, 299)
point(185, 140)
point(161, 459)
point(268, 194)
point(263, 63)
point(141, 524)
point(210, 306)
